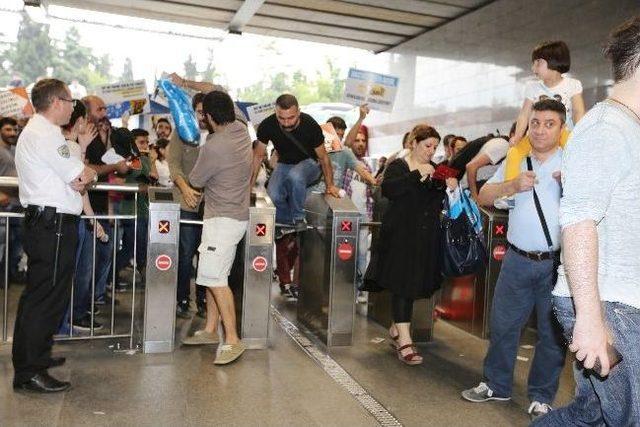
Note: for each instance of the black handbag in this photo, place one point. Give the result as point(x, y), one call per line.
point(463, 248)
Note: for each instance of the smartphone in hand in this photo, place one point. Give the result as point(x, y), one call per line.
point(614, 359)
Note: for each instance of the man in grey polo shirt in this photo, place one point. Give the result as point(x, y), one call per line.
point(598, 301)
point(528, 268)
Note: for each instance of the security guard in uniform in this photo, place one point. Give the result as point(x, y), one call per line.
point(50, 183)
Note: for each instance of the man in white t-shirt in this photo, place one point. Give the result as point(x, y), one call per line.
point(485, 164)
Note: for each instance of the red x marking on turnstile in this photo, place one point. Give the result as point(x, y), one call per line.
point(261, 230)
point(499, 230)
point(164, 227)
point(345, 226)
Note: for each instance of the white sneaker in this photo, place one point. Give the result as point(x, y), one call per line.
point(537, 409)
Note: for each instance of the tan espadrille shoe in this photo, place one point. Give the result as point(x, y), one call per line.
point(228, 353)
point(201, 337)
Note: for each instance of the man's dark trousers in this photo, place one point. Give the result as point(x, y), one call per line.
point(44, 300)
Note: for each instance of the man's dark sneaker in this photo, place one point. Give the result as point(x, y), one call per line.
point(202, 309)
point(122, 287)
point(482, 393)
point(283, 231)
point(18, 278)
point(84, 324)
point(301, 225)
point(294, 291)
point(182, 310)
point(284, 289)
point(96, 310)
point(105, 301)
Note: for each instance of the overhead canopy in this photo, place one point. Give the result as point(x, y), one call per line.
point(376, 25)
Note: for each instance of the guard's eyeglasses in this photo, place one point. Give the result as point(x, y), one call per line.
point(72, 101)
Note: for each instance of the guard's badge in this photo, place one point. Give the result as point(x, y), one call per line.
point(63, 150)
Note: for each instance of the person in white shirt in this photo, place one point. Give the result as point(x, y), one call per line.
point(485, 164)
point(159, 151)
point(51, 181)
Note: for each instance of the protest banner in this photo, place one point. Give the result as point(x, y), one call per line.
point(377, 90)
point(121, 97)
point(257, 113)
point(15, 103)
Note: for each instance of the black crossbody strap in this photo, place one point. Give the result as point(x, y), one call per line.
point(543, 222)
point(298, 144)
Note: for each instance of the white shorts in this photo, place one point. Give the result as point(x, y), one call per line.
point(220, 238)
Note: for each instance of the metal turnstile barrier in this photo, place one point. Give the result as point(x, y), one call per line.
point(255, 259)
point(328, 253)
point(466, 301)
point(161, 270)
point(251, 273)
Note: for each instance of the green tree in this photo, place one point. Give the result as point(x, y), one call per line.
point(326, 87)
point(209, 74)
point(127, 71)
point(32, 53)
point(190, 69)
point(74, 60)
point(103, 65)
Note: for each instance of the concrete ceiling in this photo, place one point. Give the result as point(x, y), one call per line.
point(375, 25)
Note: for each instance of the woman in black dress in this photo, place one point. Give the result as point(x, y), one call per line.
point(410, 255)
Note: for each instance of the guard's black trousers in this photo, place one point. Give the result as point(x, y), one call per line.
point(50, 242)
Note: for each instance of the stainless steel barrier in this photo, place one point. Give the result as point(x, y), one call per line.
point(250, 277)
point(161, 270)
point(12, 182)
point(466, 301)
point(328, 253)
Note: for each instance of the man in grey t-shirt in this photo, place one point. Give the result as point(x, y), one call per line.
point(598, 301)
point(9, 198)
point(223, 169)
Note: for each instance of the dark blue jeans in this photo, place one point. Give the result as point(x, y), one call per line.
point(523, 285)
point(190, 236)
point(288, 189)
point(128, 235)
point(82, 279)
point(615, 400)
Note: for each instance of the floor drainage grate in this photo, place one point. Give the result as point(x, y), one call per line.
point(337, 373)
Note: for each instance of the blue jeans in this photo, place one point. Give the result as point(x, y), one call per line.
point(288, 189)
point(190, 236)
point(128, 235)
point(104, 252)
point(615, 400)
point(522, 285)
point(82, 278)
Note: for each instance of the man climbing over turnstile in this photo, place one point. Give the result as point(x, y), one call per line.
point(223, 169)
point(302, 160)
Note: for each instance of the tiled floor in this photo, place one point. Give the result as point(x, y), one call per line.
point(279, 386)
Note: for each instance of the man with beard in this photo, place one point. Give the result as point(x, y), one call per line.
point(182, 157)
point(97, 112)
point(9, 199)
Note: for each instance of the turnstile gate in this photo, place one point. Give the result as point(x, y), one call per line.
point(466, 301)
point(161, 271)
point(328, 253)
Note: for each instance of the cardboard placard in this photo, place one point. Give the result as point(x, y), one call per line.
point(15, 103)
point(122, 97)
point(377, 90)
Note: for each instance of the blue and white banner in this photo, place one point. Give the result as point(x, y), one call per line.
point(377, 90)
point(122, 97)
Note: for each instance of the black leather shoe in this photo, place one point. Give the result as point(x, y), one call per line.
point(42, 383)
point(57, 361)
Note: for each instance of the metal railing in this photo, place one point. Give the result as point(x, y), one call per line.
point(12, 182)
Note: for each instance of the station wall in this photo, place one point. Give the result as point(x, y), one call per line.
point(467, 77)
